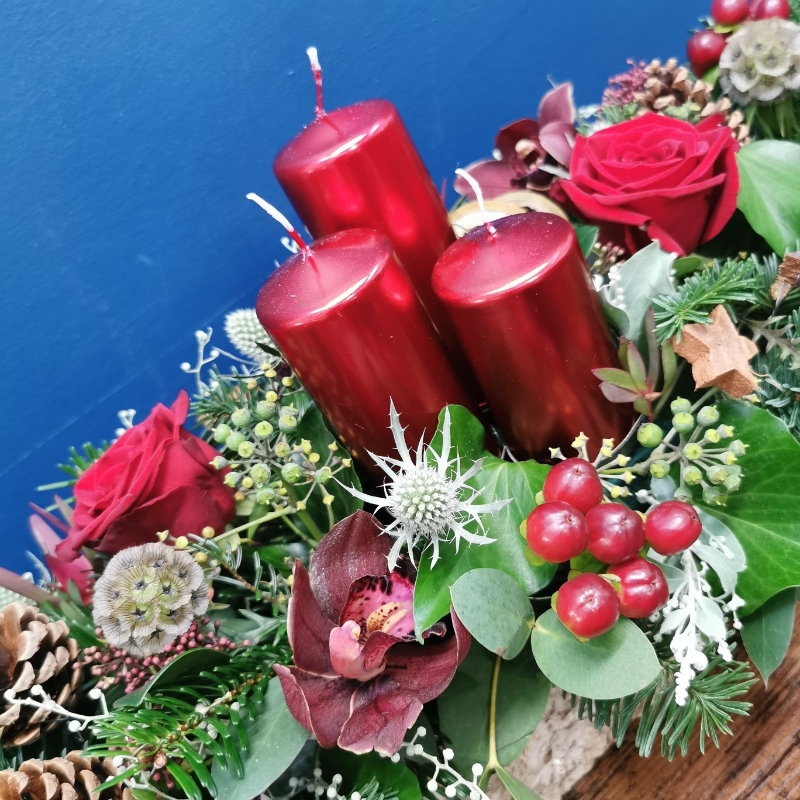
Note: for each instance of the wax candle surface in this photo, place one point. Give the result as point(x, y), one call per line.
point(356, 167)
point(531, 325)
point(348, 320)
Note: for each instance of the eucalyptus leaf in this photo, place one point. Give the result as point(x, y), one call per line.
point(522, 693)
point(616, 664)
point(494, 609)
point(275, 739)
point(769, 191)
point(763, 514)
point(517, 789)
point(709, 618)
point(766, 633)
point(498, 480)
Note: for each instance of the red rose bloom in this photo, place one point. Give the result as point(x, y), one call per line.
point(157, 476)
point(655, 179)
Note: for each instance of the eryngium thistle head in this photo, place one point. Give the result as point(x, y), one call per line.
point(246, 333)
point(148, 596)
point(761, 62)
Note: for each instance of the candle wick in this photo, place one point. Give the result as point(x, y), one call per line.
point(316, 71)
point(476, 187)
point(278, 217)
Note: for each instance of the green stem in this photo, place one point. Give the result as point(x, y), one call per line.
point(281, 512)
point(493, 764)
point(308, 521)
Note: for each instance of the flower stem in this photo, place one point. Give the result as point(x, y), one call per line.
point(493, 763)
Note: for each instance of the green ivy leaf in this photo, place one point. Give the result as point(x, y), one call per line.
point(587, 237)
point(467, 436)
point(522, 693)
point(358, 770)
point(616, 664)
point(763, 514)
point(494, 609)
point(769, 191)
point(766, 633)
point(517, 789)
point(275, 740)
point(499, 480)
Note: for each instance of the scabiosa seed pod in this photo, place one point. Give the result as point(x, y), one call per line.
point(761, 62)
point(148, 596)
point(247, 333)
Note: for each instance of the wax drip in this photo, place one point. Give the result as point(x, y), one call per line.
point(316, 71)
point(476, 187)
point(278, 217)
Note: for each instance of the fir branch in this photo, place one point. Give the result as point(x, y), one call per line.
point(779, 389)
point(721, 284)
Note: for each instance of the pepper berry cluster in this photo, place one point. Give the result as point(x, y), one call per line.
point(574, 519)
point(705, 47)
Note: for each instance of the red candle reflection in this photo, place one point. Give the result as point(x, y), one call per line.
point(528, 318)
point(348, 320)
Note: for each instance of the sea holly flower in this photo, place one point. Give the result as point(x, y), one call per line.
point(360, 678)
point(428, 496)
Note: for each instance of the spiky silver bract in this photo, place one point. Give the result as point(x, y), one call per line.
point(761, 62)
point(246, 332)
point(428, 496)
point(148, 596)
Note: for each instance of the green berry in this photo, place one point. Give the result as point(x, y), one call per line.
point(231, 479)
point(263, 429)
point(693, 451)
point(711, 436)
point(234, 440)
point(708, 416)
point(713, 496)
point(265, 409)
point(220, 463)
point(659, 469)
point(650, 435)
point(725, 431)
point(245, 449)
point(717, 475)
point(260, 474)
point(264, 496)
point(323, 475)
point(732, 483)
point(282, 449)
point(287, 421)
point(682, 493)
point(241, 418)
point(222, 432)
point(683, 422)
point(692, 476)
point(737, 447)
point(291, 472)
point(680, 405)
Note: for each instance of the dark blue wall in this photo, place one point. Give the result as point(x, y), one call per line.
point(131, 130)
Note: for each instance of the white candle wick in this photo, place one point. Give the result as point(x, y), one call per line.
point(476, 187)
point(311, 52)
point(279, 218)
point(316, 71)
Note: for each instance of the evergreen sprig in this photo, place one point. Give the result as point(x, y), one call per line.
point(712, 702)
point(720, 284)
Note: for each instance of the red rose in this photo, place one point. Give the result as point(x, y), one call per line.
point(655, 179)
point(155, 477)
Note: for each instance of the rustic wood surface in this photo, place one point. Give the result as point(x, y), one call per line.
point(761, 761)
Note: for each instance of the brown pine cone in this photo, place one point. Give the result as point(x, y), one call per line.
point(74, 777)
point(34, 652)
point(668, 85)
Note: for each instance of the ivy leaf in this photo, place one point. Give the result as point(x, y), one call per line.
point(275, 740)
point(766, 633)
point(587, 237)
point(522, 693)
point(517, 789)
point(763, 514)
point(499, 480)
point(494, 609)
point(467, 435)
point(616, 664)
point(769, 191)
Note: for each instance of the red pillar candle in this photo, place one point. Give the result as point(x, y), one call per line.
point(356, 167)
point(530, 323)
point(347, 318)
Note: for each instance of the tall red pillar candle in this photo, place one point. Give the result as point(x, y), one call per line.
point(530, 323)
point(347, 318)
point(356, 167)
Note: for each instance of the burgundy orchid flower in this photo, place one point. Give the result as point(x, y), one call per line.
point(360, 677)
point(533, 152)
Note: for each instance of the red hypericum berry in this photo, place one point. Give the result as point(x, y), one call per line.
point(574, 481)
point(704, 50)
point(672, 526)
point(615, 532)
point(764, 9)
point(643, 587)
point(588, 606)
point(556, 532)
point(729, 12)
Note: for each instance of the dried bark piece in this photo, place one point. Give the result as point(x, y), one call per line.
point(719, 355)
point(788, 276)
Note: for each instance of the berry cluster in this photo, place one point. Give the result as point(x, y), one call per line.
point(573, 519)
point(706, 46)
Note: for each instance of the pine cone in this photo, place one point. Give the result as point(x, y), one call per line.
point(74, 777)
point(34, 652)
point(667, 85)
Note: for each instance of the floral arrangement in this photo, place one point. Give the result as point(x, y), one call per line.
point(237, 598)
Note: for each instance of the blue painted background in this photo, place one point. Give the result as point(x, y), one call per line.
point(131, 131)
